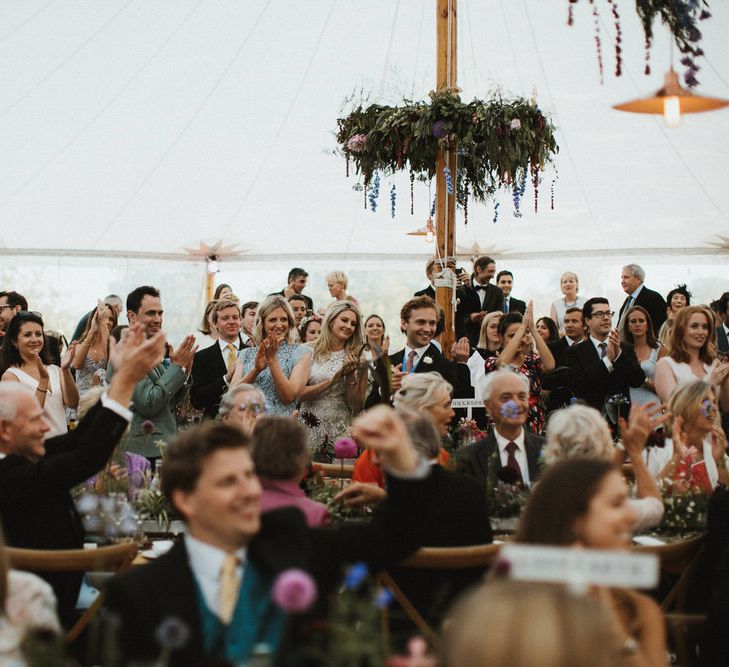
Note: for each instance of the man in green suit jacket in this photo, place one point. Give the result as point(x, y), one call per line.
point(156, 396)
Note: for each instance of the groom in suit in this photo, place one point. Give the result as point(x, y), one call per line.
point(214, 366)
point(509, 447)
point(418, 321)
point(218, 579)
point(155, 398)
point(603, 366)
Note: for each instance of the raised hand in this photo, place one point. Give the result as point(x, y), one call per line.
point(396, 379)
point(461, 350)
point(718, 445)
point(270, 346)
point(136, 355)
point(720, 373)
point(642, 421)
point(185, 354)
point(382, 430)
point(528, 320)
point(67, 358)
point(42, 370)
point(361, 493)
point(350, 364)
point(679, 438)
point(613, 345)
point(385, 345)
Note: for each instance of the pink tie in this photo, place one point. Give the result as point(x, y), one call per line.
point(410, 361)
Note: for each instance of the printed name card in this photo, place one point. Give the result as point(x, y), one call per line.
point(580, 567)
point(466, 403)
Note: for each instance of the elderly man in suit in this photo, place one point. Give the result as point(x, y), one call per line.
point(505, 282)
point(506, 398)
point(37, 475)
point(214, 366)
point(478, 299)
point(603, 366)
point(632, 281)
point(156, 395)
point(218, 580)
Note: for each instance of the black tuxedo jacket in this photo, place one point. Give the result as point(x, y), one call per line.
point(457, 374)
point(722, 342)
point(428, 291)
point(35, 502)
point(460, 518)
point(593, 382)
point(654, 303)
point(469, 303)
point(474, 459)
point(516, 306)
point(559, 349)
point(144, 596)
point(208, 385)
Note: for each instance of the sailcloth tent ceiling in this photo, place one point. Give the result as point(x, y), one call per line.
point(141, 126)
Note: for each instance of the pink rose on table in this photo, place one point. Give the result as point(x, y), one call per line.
point(294, 591)
point(345, 448)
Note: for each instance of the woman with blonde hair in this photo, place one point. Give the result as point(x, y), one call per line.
point(92, 348)
point(562, 629)
point(207, 333)
point(570, 285)
point(337, 282)
point(277, 365)
point(27, 603)
point(692, 355)
point(335, 390)
point(695, 455)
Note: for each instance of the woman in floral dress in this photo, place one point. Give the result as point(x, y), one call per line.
point(519, 337)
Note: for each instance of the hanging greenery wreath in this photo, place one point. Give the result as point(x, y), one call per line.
point(498, 142)
point(681, 17)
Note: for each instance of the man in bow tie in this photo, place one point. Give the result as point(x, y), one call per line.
point(475, 301)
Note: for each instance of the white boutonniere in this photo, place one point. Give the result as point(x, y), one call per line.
point(427, 360)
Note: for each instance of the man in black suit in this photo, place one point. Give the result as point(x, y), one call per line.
point(419, 321)
point(601, 364)
point(505, 282)
point(574, 332)
point(36, 475)
point(429, 273)
point(477, 299)
point(296, 283)
point(509, 452)
point(218, 579)
point(631, 280)
point(214, 366)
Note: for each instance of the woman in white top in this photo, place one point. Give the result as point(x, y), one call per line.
point(692, 355)
point(570, 285)
point(23, 361)
point(580, 431)
point(695, 456)
point(638, 331)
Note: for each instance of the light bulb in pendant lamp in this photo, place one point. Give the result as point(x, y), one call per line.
point(672, 101)
point(212, 265)
point(428, 231)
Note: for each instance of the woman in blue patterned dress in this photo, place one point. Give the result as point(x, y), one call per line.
point(92, 350)
point(277, 365)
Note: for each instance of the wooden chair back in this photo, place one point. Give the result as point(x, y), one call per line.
point(335, 470)
point(115, 558)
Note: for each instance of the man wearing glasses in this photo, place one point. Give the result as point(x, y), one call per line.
point(241, 406)
point(10, 304)
point(603, 367)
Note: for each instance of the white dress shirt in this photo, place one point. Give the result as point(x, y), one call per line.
point(519, 454)
point(419, 352)
point(205, 562)
point(605, 360)
point(481, 292)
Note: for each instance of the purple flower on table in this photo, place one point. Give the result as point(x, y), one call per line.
point(172, 633)
point(137, 467)
point(356, 143)
point(510, 410)
point(294, 591)
point(345, 448)
point(147, 427)
point(439, 129)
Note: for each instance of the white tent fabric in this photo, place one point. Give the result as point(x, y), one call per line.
point(130, 127)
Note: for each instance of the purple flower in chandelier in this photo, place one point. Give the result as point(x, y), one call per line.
point(439, 129)
point(356, 143)
point(515, 124)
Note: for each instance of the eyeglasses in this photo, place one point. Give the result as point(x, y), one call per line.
point(5, 306)
point(603, 313)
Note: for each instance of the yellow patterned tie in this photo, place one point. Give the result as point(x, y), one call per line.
point(232, 356)
point(229, 588)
